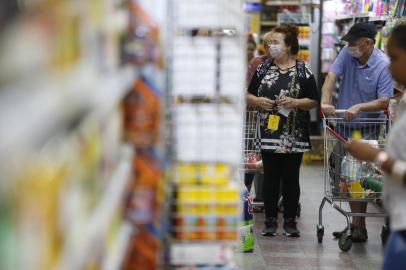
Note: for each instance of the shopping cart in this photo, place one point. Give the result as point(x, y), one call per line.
point(251, 153)
point(347, 179)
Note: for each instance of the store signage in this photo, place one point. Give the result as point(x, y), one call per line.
point(252, 7)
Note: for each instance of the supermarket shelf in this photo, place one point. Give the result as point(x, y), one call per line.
point(350, 17)
point(304, 43)
point(282, 3)
point(41, 106)
point(201, 254)
point(378, 19)
point(269, 23)
point(80, 244)
point(115, 260)
point(344, 17)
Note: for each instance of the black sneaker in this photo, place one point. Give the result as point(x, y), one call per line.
point(271, 225)
point(290, 227)
point(338, 234)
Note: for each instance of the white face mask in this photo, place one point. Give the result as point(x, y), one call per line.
point(354, 52)
point(275, 50)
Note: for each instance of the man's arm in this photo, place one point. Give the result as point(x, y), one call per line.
point(327, 92)
point(374, 106)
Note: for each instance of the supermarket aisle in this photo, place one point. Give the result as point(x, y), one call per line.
point(305, 253)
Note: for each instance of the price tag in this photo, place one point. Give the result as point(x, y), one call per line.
point(273, 122)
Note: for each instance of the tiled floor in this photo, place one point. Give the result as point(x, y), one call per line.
point(305, 253)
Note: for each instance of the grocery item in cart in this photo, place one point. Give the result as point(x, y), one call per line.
point(373, 183)
point(351, 171)
point(253, 161)
point(247, 226)
point(357, 177)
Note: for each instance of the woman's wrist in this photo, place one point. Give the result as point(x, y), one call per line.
point(398, 171)
point(296, 103)
point(257, 102)
point(381, 158)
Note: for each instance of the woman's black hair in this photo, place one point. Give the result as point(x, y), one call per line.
point(398, 36)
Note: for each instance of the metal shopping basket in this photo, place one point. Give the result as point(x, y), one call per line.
point(252, 155)
point(251, 151)
point(347, 179)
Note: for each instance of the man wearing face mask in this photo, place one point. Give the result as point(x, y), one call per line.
point(366, 86)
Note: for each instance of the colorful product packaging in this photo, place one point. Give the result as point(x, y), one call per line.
point(247, 226)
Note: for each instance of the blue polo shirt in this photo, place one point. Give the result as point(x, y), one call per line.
point(362, 83)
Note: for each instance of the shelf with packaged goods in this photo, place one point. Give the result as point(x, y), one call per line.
point(47, 104)
point(269, 23)
point(304, 43)
point(378, 18)
point(350, 17)
point(81, 240)
point(282, 3)
point(381, 18)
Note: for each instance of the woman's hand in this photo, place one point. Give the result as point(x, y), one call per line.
point(264, 103)
point(288, 103)
point(362, 151)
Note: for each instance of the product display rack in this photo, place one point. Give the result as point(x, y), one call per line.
point(206, 104)
point(270, 11)
point(275, 13)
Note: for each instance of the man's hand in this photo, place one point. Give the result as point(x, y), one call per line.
point(362, 151)
point(328, 109)
point(288, 102)
point(352, 112)
point(264, 103)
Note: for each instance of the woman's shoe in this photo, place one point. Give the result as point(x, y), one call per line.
point(271, 226)
point(290, 227)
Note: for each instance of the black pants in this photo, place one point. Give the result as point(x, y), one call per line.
point(283, 168)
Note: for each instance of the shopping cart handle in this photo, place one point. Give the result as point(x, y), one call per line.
point(344, 110)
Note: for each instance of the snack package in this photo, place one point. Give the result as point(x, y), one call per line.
point(247, 224)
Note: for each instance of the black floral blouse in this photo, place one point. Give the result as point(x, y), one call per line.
point(292, 134)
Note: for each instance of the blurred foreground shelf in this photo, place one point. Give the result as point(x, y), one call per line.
point(32, 111)
point(82, 240)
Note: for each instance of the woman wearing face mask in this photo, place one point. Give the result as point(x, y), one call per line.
point(393, 159)
point(284, 90)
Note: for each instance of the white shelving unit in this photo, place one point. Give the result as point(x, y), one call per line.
point(200, 254)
